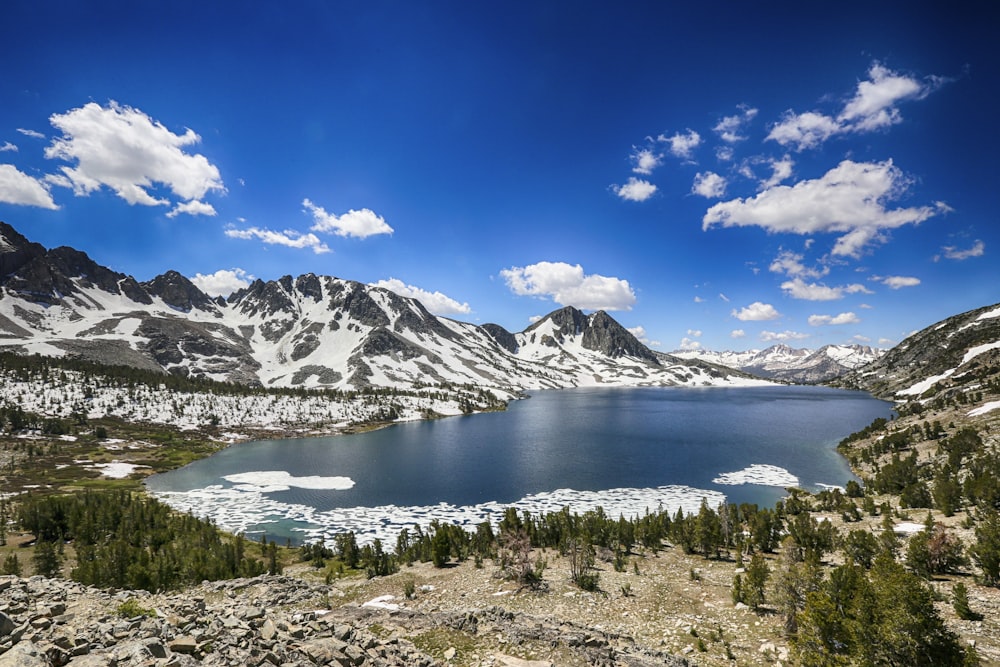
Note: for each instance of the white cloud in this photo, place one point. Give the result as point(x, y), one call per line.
point(791, 264)
point(849, 199)
point(688, 344)
point(724, 153)
point(193, 207)
point(436, 302)
point(804, 130)
point(289, 238)
point(756, 312)
point(126, 150)
point(567, 285)
point(873, 104)
point(951, 252)
point(16, 187)
point(723, 297)
point(8, 148)
point(640, 335)
point(360, 224)
point(781, 170)
point(896, 282)
point(709, 184)
point(694, 333)
point(799, 289)
point(737, 333)
point(645, 161)
point(698, 299)
point(842, 318)
point(682, 144)
point(872, 107)
point(728, 128)
point(781, 337)
point(637, 189)
point(223, 282)
point(31, 133)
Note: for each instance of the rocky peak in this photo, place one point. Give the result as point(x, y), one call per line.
point(60, 272)
point(15, 250)
point(603, 334)
point(178, 292)
point(503, 338)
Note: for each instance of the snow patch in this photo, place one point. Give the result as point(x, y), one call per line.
point(268, 481)
point(984, 408)
point(117, 469)
point(925, 384)
point(759, 473)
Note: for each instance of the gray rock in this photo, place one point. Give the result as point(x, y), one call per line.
point(24, 654)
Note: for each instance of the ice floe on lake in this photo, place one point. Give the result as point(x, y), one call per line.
point(759, 473)
point(247, 508)
point(267, 481)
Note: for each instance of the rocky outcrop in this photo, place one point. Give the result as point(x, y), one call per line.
point(267, 621)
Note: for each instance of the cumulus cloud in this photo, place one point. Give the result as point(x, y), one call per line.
point(728, 128)
point(640, 335)
point(193, 207)
point(756, 312)
point(689, 345)
point(223, 282)
point(436, 302)
point(8, 148)
point(16, 187)
point(645, 161)
point(782, 336)
point(567, 285)
point(842, 318)
point(360, 224)
point(781, 171)
point(289, 238)
point(737, 333)
point(709, 184)
point(952, 252)
point(791, 264)
point(800, 289)
point(682, 144)
point(897, 282)
point(872, 107)
point(127, 151)
point(850, 199)
point(637, 189)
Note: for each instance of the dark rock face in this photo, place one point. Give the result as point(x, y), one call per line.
point(503, 338)
point(15, 250)
point(178, 292)
point(605, 335)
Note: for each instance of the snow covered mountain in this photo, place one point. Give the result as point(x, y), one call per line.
point(950, 360)
point(781, 362)
point(309, 331)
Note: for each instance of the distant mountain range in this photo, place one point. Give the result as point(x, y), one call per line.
point(787, 364)
point(310, 331)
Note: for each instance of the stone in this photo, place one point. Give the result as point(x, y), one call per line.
point(24, 654)
point(185, 644)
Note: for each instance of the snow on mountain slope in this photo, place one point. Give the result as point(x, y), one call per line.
point(310, 332)
point(781, 362)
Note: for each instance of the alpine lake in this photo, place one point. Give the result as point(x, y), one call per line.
point(624, 450)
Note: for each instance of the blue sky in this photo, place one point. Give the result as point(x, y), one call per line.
point(729, 176)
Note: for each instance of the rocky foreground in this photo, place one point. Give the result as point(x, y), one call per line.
point(273, 621)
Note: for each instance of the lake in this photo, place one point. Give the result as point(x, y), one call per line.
point(626, 450)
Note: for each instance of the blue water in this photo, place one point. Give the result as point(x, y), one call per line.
point(583, 440)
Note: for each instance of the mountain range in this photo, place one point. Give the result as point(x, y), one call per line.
point(309, 331)
point(788, 364)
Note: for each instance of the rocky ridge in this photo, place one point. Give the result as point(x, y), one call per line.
point(308, 331)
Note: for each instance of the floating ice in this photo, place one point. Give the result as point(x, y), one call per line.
point(267, 481)
point(246, 507)
point(759, 473)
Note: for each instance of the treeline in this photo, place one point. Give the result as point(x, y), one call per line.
point(27, 367)
point(126, 540)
